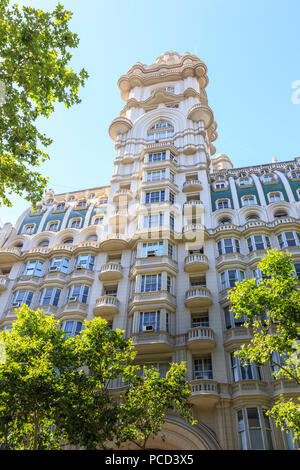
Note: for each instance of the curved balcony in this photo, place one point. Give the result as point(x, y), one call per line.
point(193, 185)
point(119, 217)
point(28, 281)
point(10, 255)
point(284, 386)
point(196, 263)
point(198, 297)
point(200, 112)
point(114, 241)
point(246, 388)
point(119, 125)
point(122, 194)
point(83, 274)
point(111, 272)
point(194, 233)
point(152, 342)
point(107, 307)
point(204, 392)
point(201, 338)
point(3, 282)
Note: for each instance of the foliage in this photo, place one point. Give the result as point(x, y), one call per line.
point(34, 75)
point(55, 389)
point(144, 405)
point(272, 310)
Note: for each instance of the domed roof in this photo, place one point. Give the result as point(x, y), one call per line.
point(168, 58)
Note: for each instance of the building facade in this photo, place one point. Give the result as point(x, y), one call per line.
point(156, 251)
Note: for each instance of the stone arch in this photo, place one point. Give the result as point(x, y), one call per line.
point(180, 435)
point(144, 122)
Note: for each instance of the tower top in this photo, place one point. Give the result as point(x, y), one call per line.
point(169, 66)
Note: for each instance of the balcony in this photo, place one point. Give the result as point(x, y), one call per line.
point(204, 393)
point(194, 233)
point(54, 276)
point(48, 309)
point(192, 185)
point(114, 241)
point(201, 112)
point(123, 195)
point(201, 338)
point(229, 259)
point(162, 298)
point(3, 282)
point(111, 272)
point(28, 281)
point(198, 297)
point(75, 308)
point(9, 255)
point(152, 342)
point(249, 388)
point(82, 274)
point(196, 263)
point(284, 386)
point(107, 307)
point(235, 337)
point(119, 125)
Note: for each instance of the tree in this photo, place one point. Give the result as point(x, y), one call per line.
point(34, 75)
point(146, 402)
point(56, 390)
point(272, 309)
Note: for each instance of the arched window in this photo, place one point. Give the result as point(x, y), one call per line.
point(160, 130)
point(68, 241)
point(44, 243)
point(252, 217)
point(225, 220)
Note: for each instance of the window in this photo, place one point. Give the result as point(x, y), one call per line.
point(22, 297)
point(149, 321)
point(98, 220)
point(242, 371)
point(280, 213)
point(155, 220)
point(72, 328)
point(53, 226)
point(81, 203)
point(277, 360)
point(295, 174)
point(200, 320)
point(169, 284)
point(156, 157)
point(160, 130)
point(225, 220)
point(50, 296)
point(112, 291)
point(68, 241)
point(252, 217)
point(60, 206)
point(169, 89)
point(151, 283)
point(172, 198)
point(71, 198)
point(230, 277)
point(33, 268)
point(152, 249)
point(44, 243)
point(92, 238)
point(161, 367)
point(172, 222)
point(268, 178)
point(79, 293)
point(259, 275)
point(29, 229)
point(244, 182)
point(199, 281)
point(258, 242)
point(248, 200)
point(172, 177)
point(286, 239)
point(223, 204)
point(103, 201)
point(220, 185)
point(155, 196)
point(297, 269)
point(254, 429)
point(203, 369)
point(76, 223)
point(228, 245)
point(156, 175)
point(85, 261)
point(231, 321)
point(275, 197)
point(170, 250)
point(59, 264)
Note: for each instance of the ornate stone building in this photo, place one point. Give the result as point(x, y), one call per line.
point(156, 251)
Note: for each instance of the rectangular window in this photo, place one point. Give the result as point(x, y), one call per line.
point(79, 293)
point(86, 262)
point(149, 321)
point(156, 175)
point(172, 198)
point(155, 196)
point(172, 222)
point(22, 297)
point(151, 283)
point(203, 369)
point(152, 249)
point(171, 250)
point(59, 264)
point(33, 268)
point(155, 220)
point(156, 157)
point(71, 328)
point(199, 320)
point(50, 297)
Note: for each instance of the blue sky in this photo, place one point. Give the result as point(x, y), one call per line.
point(251, 49)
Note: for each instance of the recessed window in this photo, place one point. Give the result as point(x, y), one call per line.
point(151, 283)
point(248, 200)
point(72, 328)
point(33, 268)
point(241, 371)
point(103, 201)
point(59, 264)
point(156, 157)
point(275, 197)
point(230, 277)
point(155, 196)
point(280, 213)
point(295, 174)
point(29, 229)
point(68, 241)
point(98, 220)
point(44, 243)
point(254, 429)
point(60, 206)
point(50, 297)
point(252, 217)
point(223, 204)
point(155, 220)
point(76, 223)
point(149, 321)
point(22, 297)
point(286, 239)
point(203, 368)
point(258, 242)
point(78, 293)
point(53, 226)
point(225, 220)
point(85, 261)
point(228, 245)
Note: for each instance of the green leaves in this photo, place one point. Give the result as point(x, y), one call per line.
point(34, 58)
point(272, 308)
